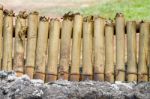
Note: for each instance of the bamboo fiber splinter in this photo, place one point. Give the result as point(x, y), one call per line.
point(20, 31)
point(131, 51)
point(41, 49)
point(31, 43)
point(1, 30)
point(120, 47)
point(87, 71)
point(53, 50)
point(109, 52)
point(7, 40)
point(65, 47)
point(99, 49)
point(76, 48)
point(143, 52)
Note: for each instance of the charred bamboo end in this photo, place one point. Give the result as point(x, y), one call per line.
point(22, 14)
point(68, 16)
point(9, 13)
point(34, 13)
point(88, 19)
point(1, 7)
point(44, 19)
point(119, 15)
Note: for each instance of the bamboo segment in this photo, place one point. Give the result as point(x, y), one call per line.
point(87, 50)
point(76, 48)
point(42, 39)
point(31, 43)
point(131, 51)
point(120, 47)
point(143, 52)
point(109, 52)
point(1, 30)
point(20, 31)
point(65, 48)
point(99, 49)
point(7, 40)
point(53, 50)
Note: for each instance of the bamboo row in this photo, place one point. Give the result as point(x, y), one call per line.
point(1, 30)
point(7, 40)
point(53, 50)
point(31, 43)
point(20, 32)
point(42, 39)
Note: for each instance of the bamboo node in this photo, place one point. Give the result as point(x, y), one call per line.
point(9, 12)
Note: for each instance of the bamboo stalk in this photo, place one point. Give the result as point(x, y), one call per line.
point(42, 39)
point(131, 51)
point(120, 47)
point(65, 47)
point(99, 49)
point(143, 52)
point(1, 30)
point(76, 48)
point(7, 40)
point(53, 50)
point(31, 43)
point(87, 50)
point(109, 51)
point(20, 32)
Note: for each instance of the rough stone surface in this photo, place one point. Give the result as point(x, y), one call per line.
point(12, 87)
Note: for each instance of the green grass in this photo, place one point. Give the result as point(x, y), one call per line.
point(132, 9)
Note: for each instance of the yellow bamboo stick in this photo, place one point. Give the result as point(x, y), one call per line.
point(76, 48)
point(1, 30)
point(42, 39)
point(131, 51)
point(53, 50)
point(20, 31)
point(7, 40)
point(109, 51)
point(31, 43)
point(143, 52)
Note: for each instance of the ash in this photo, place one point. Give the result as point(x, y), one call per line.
point(12, 87)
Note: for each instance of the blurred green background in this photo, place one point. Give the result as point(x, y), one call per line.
point(132, 9)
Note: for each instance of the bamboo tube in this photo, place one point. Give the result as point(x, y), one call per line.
point(31, 43)
point(1, 30)
point(120, 47)
point(143, 52)
point(76, 48)
point(42, 39)
point(7, 40)
point(109, 51)
point(53, 50)
point(131, 51)
point(99, 49)
point(20, 32)
point(87, 50)
point(65, 48)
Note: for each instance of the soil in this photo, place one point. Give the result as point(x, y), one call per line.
point(12, 87)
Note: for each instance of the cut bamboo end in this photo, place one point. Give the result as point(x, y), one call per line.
point(51, 77)
point(22, 14)
point(44, 19)
point(9, 13)
point(87, 77)
point(39, 75)
point(74, 77)
point(29, 71)
point(34, 13)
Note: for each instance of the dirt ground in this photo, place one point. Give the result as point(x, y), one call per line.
point(12, 87)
